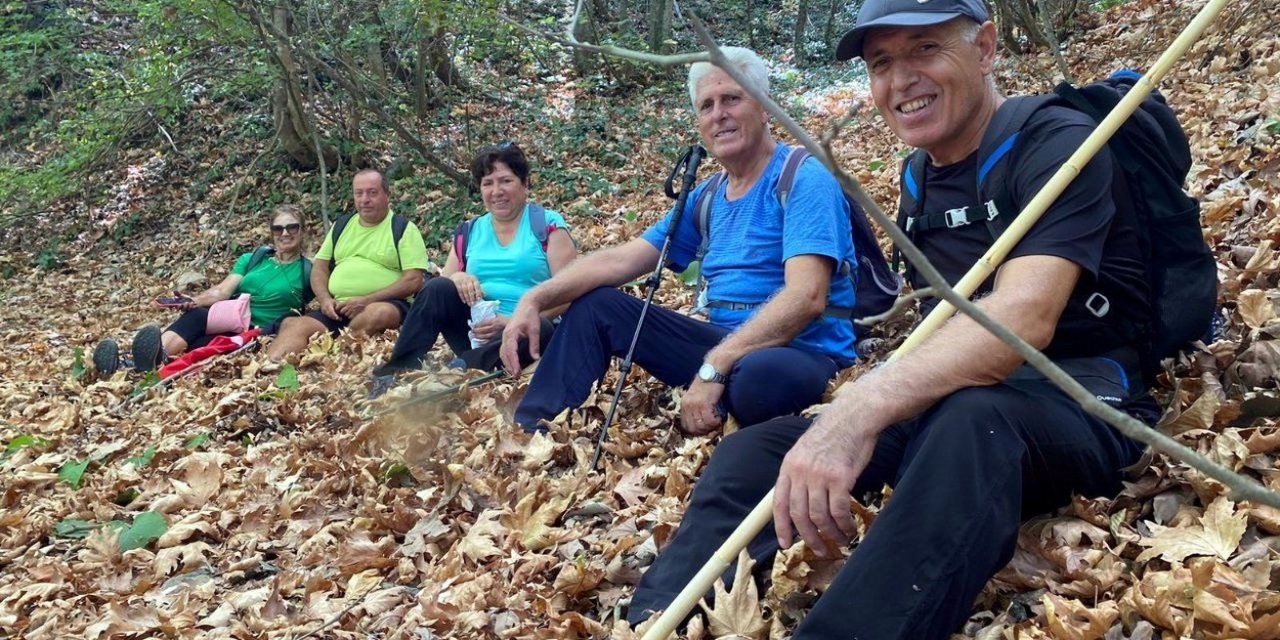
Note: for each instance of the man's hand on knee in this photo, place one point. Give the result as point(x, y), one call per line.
point(812, 496)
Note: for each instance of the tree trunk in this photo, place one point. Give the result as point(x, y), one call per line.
point(422, 101)
point(441, 61)
point(659, 25)
point(829, 33)
point(798, 37)
point(584, 31)
point(286, 100)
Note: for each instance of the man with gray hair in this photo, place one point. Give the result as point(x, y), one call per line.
point(768, 350)
point(971, 439)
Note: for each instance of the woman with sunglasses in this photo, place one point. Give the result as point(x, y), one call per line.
point(496, 257)
point(274, 277)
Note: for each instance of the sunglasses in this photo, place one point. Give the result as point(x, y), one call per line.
point(292, 227)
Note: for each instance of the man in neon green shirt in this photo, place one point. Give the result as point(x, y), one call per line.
point(365, 278)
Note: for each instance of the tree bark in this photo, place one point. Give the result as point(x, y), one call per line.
point(798, 36)
point(659, 25)
point(296, 137)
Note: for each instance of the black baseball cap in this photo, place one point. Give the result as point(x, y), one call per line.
point(905, 13)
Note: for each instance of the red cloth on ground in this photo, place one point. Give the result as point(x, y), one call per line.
point(219, 346)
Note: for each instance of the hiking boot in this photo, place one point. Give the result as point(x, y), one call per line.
point(147, 349)
point(381, 385)
point(106, 358)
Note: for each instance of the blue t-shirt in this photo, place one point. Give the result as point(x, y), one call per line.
point(506, 273)
point(751, 239)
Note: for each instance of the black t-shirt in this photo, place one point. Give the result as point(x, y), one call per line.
point(1082, 226)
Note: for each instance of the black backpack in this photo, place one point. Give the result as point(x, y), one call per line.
point(876, 285)
point(1152, 158)
point(262, 253)
point(398, 224)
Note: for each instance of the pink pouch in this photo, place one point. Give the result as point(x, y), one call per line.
point(229, 316)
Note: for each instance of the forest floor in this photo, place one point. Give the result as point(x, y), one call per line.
point(250, 503)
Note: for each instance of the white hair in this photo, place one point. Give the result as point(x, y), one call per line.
point(743, 59)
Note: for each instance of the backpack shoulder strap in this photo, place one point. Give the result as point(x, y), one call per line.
point(1002, 134)
point(259, 254)
point(702, 212)
point(307, 293)
point(335, 232)
point(787, 179)
point(398, 225)
point(538, 224)
point(461, 234)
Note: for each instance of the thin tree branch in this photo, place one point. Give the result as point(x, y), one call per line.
point(1242, 488)
point(899, 306)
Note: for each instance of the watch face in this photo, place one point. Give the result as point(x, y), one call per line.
point(706, 372)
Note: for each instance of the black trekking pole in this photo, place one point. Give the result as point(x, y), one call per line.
point(689, 163)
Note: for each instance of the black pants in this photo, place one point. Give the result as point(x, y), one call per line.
point(965, 475)
point(599, 325)
point(437, 310)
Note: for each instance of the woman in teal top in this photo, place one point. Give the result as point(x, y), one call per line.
point(275, 279)
point(496, 257)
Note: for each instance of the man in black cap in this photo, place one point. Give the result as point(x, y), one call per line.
point(971, 439)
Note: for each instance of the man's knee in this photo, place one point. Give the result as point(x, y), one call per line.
point(377, 317)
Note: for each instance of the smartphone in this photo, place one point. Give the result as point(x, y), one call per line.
point(172, 302)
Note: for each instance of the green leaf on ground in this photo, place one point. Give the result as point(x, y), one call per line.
point(24, 441)
point(398, 475)
point(74, 528)
point(287, 379)
point(151, 379)
point(72, 472)
point(143, 459)
point(875, 165)
point(197, 441)
point(147, 527)
point(77, 365)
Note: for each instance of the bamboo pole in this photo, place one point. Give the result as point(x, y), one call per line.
point(762, 514)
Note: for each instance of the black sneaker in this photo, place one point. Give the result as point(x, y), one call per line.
point(106, 358)
point(147, 351)
point(381, 385)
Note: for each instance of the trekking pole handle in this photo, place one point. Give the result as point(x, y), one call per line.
point(690, 161)
point(693, 156)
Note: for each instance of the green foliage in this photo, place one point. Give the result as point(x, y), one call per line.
point(143, 459)
point(147, 527)
point(74, 528)
point(78, 369)
point(197, 441)
point(1273, 127)
point(149, 379)
point(23, 441)
point(287, 379)
point(72, 472)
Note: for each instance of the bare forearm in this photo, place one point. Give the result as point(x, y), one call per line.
point(777, 323)
point(961, 354)
point(606, 268)
point(320, 280)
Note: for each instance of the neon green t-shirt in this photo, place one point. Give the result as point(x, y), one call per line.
point(275, 290)
point(365, 260)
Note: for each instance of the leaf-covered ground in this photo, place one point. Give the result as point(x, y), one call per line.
point(239, 504)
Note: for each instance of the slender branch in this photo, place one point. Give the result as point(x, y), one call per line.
point(898, 307)
point(1241, 487)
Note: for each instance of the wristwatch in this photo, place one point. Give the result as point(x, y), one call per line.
point(708, 373)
